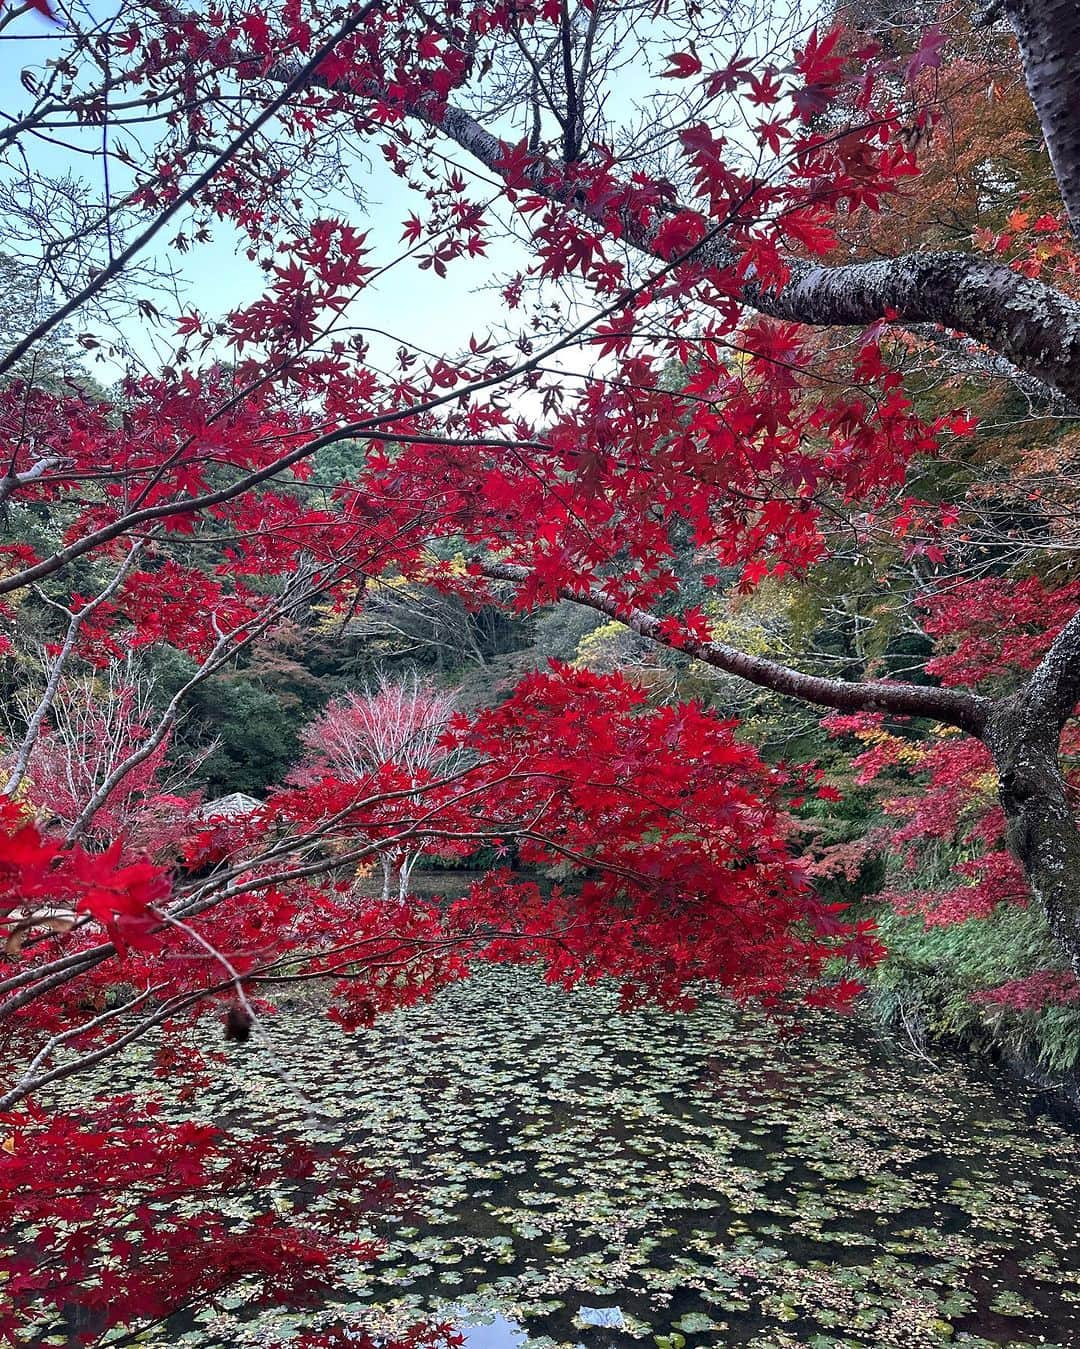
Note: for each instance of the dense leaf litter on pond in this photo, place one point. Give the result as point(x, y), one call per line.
point(587, 1177)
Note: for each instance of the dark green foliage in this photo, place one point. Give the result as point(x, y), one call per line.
point(338, 462)
point(249, 736)
point(258, 740)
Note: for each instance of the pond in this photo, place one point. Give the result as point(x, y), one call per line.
point(612, 1180)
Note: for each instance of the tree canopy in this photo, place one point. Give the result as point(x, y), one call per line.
point(776, 375)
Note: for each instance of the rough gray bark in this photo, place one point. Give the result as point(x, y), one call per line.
point(1023, 734)
point(1041, 828)
point(1048, 34)
point(1032, 325)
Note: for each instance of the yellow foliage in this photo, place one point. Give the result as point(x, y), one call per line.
point(907, 752)
point(600, 647)
point(753, 638)
point(752, 622)
point(326, 616)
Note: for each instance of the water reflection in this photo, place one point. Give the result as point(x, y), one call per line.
point(498, 1333)
point(608, 1318)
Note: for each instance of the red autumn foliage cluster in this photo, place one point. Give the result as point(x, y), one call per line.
point(1044, 988)
point(133, 1211)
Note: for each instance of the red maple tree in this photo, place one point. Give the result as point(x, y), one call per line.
point(661, 383)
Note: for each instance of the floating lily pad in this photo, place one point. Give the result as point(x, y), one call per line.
point(580, 1176)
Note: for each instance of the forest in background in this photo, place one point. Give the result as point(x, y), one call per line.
point(968, 960)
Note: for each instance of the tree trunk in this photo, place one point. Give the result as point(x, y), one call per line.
point(405, 870)
point(1023, 733)
point(1041, 828)
point(1048, 33)
point(387, 874)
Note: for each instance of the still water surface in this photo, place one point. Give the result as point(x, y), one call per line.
point(590, 1178)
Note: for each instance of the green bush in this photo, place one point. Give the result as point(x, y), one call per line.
point(930, 984)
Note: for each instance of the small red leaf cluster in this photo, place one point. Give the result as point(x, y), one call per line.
point(132, 1210)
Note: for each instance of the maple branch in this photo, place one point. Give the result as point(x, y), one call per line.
point(298, 78)
point(299, 589)
point(1033, 326)
point(171, 1007)
point(1036, 327)
point(967, 711)
point(11, 482)
point(29, 1081)
point(237, 980)
point(28, 985)
point(191, 505)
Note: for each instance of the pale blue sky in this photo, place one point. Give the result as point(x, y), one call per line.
point(416, 307)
